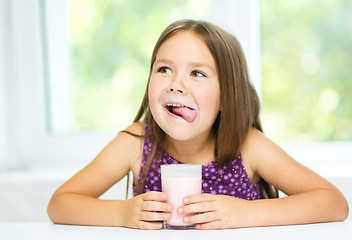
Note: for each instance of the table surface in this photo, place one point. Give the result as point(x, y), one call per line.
point(45, 230)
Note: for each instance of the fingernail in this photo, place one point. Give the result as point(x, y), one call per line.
point(160, 226)
point(180, 210)
point(185, 200)
point(166, 216)
point(168, 207)
point(186, 219)
point(163, 196)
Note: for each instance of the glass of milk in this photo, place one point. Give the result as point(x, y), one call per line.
point(179, 181)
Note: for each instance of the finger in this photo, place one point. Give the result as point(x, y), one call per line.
point(154, 196)
point(156, 206)
point(201, 218)
point(155, 216)
point(150, 225)
point(199, 198)
point(199, 207)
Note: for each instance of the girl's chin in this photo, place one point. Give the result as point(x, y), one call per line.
point(179, 135)
point(184, 134)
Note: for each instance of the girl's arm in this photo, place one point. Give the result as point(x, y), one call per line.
point(310, 197)
point(76, 201)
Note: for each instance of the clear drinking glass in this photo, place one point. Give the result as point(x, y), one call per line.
point(179, 181)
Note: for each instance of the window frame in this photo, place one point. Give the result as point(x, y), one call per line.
point(27, 140)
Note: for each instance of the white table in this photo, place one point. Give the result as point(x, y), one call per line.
point(37, 231)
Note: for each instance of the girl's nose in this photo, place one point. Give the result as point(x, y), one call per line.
point(176, 86)
point(176, 90)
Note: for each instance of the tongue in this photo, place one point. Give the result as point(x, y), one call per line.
point(186, 113)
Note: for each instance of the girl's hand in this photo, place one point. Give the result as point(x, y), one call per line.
point(146, 211)
point(213, 211)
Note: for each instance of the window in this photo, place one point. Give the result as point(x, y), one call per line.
point(62, 87)
point(306, 58)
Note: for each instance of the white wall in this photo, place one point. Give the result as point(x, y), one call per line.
point(24, 195)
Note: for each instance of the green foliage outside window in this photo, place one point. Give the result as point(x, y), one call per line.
point(306, 66)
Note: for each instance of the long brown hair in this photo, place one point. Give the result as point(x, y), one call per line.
point(239, 102)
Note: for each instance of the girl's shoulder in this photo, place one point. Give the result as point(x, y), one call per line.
point(253, 149)
point(252, 139)
point(255, 143)
point(132, 140)
point(126, 147)
point(136, 128)
point(261, 155)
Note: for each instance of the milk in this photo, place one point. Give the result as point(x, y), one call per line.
point(179, 181)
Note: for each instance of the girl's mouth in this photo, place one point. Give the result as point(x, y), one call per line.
point(187, 113)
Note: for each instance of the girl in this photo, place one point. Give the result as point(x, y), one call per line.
point(199, 105)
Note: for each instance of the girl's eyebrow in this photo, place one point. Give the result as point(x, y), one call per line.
point(192, 64)
point(198, 64)
point(161, 61)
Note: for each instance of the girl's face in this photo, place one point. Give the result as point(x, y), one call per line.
point(184, 91)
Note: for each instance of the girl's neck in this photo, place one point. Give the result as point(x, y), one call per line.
point(192, 152)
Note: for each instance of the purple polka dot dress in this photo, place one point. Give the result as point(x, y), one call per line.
point(230, 179)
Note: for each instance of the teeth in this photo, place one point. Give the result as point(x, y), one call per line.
point(175, 105)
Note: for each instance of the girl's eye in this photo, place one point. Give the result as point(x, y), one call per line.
point(197, 73)
point(164, 70)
